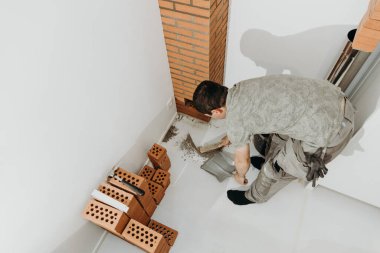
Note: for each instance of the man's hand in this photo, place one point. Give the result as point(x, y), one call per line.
point(225, 141)
point(240, 179)
point(317, 167)
point(242, 163)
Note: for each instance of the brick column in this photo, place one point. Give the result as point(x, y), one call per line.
point(195, 35)
point(367, 36)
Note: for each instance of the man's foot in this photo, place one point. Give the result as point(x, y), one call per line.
point(257, 162)
point(238, 197)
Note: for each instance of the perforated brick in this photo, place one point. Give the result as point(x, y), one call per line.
point(159, 158)
point(164, 163)
point(156, 152)
point(105, 216)
point(147, 172)
point(162, 177)
point(157, 191)
point(169, 234)
point(145, 238)
point(135, 210)
point(146, 200)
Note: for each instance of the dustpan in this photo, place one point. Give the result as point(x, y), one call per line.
point(220, 166)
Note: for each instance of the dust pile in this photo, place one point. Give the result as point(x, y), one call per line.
point(172, 132)
point(191, 151)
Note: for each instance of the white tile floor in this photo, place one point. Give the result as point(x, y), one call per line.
point(295, 220)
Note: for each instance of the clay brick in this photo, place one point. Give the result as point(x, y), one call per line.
point(204, 37)
point(180, 56)
point(182, 1)
point(175, 71)
point(157, 191)
point(202, 3)
point(183, 68)
point(201, 50)
point(168, 21)
point(166, 4)
point(177, 15)
point(158, 156)
point(202, 21)
point(135, 211)
point(162, 177)
point(377, 5)
point(146, 200)
point(105, 216)
point(371, 24)
point(193, 54)
point(374, 13)
point(156, 152)
point(172, 48)
point(180, 95)
point(193, 41)
point(185, 79)
point(189, 89)
point(169, 234)
point(147, 172)
point(177, 30)
point(192, 10)
point(169, 35)
point(202, 62)
point(201, 54)
point(363, 31)
point(195, 77)
point(363, 47)
point(145, 238)
point(190, 65)
point(194, 27)
point(178, 44)
point(182, 83)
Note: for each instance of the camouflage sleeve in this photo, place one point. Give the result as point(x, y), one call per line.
point(238, 135)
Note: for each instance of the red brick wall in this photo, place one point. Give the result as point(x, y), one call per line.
point(368, 33)
point(195, 36)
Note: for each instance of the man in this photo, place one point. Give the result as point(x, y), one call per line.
point(309, 122)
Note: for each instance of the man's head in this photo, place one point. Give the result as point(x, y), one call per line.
point(210, 98)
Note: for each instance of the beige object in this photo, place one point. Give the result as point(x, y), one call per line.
point(368, 33)
point(135, 211)
point(157, 191)
point(145, 238)
point(169, 234)
point(146, 200)
point(105, 216)
point(162, 177)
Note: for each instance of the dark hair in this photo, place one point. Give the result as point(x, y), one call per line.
point(209, 95)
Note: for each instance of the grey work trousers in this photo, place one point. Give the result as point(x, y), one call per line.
point(289, 154)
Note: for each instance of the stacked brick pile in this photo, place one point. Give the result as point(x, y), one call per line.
point(195, 35)
point(135, 225)
point(368, 33)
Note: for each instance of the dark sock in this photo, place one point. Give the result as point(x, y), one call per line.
point(238, 198)
point(277, 167)
point(257, 162)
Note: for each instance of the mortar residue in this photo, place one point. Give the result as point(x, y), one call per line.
point(191, 151)
point(172, 132)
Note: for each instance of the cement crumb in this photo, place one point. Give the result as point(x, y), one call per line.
point(191, 151)
point(172, 132)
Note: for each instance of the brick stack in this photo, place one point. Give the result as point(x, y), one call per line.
point(195, 35)
point(368, 33)
point(135, 224)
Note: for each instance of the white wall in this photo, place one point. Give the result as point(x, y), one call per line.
point(82, 84)
point(292, 36)
point(306, 38)
point(356, 172)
